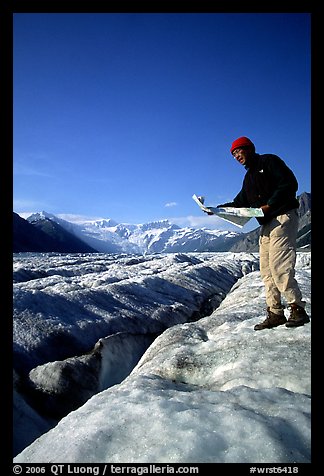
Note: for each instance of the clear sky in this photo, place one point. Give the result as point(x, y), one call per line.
point(126, 115)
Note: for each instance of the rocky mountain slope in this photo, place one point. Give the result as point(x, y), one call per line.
point(249, 241)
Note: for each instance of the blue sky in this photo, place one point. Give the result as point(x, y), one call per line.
point(126, 115)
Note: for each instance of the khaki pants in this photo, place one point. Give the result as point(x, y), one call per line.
point(277, 261)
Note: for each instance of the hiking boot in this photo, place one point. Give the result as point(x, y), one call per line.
point(298, 316)
point(273, 320)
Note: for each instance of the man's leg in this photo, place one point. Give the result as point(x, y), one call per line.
point(273, 295)
point(282, 259)
point(275, 313)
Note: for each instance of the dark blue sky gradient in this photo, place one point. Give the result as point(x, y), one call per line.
point(127, 115)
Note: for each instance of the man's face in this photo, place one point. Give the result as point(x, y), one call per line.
point(242, 155)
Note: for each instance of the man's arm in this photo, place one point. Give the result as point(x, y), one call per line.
point(286, 182)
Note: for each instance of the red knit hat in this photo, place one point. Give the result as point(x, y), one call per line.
point(242, 142)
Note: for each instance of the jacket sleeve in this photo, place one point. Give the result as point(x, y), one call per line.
point(285, 180)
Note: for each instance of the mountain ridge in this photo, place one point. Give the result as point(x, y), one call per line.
point(45, 232)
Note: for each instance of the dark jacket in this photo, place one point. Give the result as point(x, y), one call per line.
point(268, 181)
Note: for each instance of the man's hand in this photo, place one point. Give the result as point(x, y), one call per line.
point(266, 209)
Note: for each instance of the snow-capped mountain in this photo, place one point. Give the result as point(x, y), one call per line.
point(108, 236)
point(46, 235)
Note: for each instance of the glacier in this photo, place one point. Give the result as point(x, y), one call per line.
point(121, 358)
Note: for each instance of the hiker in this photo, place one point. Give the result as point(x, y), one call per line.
point(269, 184)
